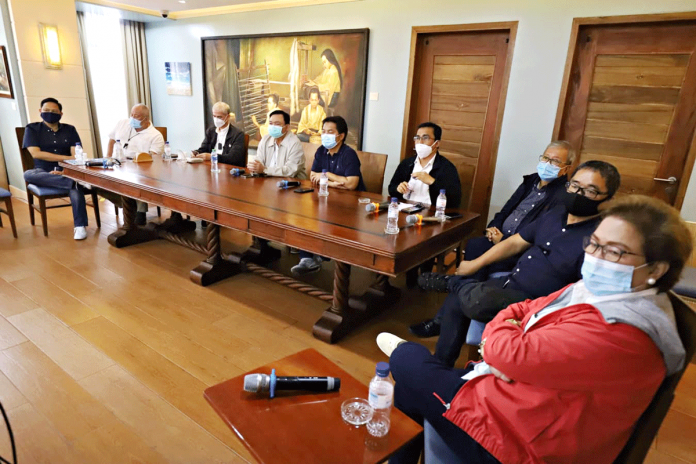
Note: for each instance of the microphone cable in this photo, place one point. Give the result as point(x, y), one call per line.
point(9, 430)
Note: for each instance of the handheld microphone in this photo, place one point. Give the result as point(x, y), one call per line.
point(236, 172)
point(102, 162)
point(261, 383)
point(419, 219)
point(376, 207)
point(286, 184)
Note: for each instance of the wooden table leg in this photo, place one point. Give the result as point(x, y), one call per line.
point(380, 295)
point(130, 234)
point(214, 268)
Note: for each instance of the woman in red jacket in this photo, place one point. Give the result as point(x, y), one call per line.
point(564, 378)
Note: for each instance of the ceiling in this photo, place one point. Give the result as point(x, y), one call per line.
point(196, 8)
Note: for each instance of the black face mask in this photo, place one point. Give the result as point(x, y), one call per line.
point(50, 118)
point(580, 205)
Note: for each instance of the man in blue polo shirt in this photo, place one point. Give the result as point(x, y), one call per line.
point(48, 143)
point(343, 170)
point(552, 256)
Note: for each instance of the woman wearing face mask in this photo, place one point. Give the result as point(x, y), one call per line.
point(421, 177)
point(565, 377)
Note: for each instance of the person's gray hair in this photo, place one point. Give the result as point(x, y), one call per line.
point(569, 148)
point(222, 106)
point(145, 109)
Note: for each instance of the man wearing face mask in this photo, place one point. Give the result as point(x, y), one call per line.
point(552, 257)
point(50, 142)
point(224, 134)
point(537, 194)
point(280, 152)
point(137, 135)
point(342, 167)
point(420, 178)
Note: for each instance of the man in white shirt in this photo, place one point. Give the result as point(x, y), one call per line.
point(137, 135)
point(280, 152)
point(227, 139)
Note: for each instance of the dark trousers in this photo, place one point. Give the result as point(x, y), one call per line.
point(42, 178)
point(477, 246)
point(480, 301)
point(418, 375)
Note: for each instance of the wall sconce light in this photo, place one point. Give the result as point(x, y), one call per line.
point(50, 46)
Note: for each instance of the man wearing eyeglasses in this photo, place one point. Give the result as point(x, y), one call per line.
point(552, 254)
point(421, 177)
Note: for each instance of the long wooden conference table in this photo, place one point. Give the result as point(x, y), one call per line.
point(337, 227)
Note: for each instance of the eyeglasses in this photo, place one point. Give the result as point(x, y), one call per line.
point(556, 162)
point(424, 139)
point(609, 252)
point(589, 192)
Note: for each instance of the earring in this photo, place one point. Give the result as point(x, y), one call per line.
point(652, 281)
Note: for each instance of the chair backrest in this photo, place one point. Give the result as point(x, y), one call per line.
point(27, 160)
point(649, 423)
point(246, 149)
point(163, 131)
point(372, 166)
point(467, 171)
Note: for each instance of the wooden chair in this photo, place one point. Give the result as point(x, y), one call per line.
point(6, 196)
point(372, 166)
point(638, 444)
point(246, 149)
point(46, 193)
point(163, 131)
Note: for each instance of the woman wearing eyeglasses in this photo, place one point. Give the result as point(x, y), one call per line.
point(565, 377)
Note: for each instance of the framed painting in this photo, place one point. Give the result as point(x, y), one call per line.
point(310, 75)
point(5, 80)
point(178, 77)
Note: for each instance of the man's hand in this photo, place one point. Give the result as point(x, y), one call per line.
point(314, 177)
point(335, 184)
point(56, 173)
point(256, 166)
point(499, 374)
point(467, 268)
point(403, 188)
point(494, 235)
point(424, 177)
point(205, 156)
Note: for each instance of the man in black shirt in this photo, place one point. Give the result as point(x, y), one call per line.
point(48, 143)
point(224, 137)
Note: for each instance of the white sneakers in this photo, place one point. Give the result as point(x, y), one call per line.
point(80, 233)
point(388, 342)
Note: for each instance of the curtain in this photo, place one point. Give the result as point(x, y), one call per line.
point(135, 57)
point(91, 109)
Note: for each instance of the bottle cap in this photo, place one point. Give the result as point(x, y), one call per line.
point(442, 191)
point(323, 171)
point(394, 200)
point(167, 142)
point(382, 369)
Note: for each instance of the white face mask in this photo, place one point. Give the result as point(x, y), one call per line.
point(218, 122)
point(423, 150)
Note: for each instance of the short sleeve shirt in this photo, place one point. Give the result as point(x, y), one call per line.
point(38, 134)
point(149, 140)
point(344, 163)
point(555, 258)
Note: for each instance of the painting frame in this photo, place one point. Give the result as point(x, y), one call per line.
point(352, 104)
point(177, 75)
point(6, 90)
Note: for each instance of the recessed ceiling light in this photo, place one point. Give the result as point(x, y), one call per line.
point(182, 1)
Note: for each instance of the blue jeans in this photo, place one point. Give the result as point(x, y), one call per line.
point(418, 375)
point(41, 178)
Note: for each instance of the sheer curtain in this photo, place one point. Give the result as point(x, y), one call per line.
point(135, 63)
point(91, 108)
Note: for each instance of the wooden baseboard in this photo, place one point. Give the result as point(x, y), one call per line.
point(18, 193)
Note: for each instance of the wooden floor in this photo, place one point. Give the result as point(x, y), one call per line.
point(105, 353)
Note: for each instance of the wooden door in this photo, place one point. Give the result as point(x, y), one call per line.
point(459, 80)
point(631, 101)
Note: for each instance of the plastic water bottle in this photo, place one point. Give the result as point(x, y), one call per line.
point(324, 184)
point(393, 217)
point(440, 205)
point(214, 161)
point(118, 151)
point(381, 397)
point(79, 155)
point(167, 151)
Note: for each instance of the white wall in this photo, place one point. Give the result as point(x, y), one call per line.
point(533, 92)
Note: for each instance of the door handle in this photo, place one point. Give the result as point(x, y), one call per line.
point(671, 180)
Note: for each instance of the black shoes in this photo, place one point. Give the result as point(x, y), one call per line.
point(426, 329)
point(140, 218)
point(433, 282)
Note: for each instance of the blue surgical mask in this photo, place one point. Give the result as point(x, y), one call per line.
point(602, 277)
point(275, 131)
point(135, 123)
point(328, 140)
point(547, 171)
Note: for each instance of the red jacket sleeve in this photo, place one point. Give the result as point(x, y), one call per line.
point(580, 353)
